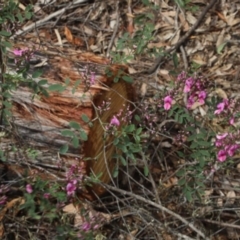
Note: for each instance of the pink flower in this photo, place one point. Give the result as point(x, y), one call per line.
point(188, 85)
point(222, 155)
point(86, 226)
point(29, 188)
point(46, 195)
point(114, 121)
point(181, 76)
point(201, 97)
point(218, 143)
point(96, 226)
point(231, 121)
point(220, 137)
point(71, 188)
point(167, 102)
point(231, 149)
point(220, 108)
point(19, 52)
point(190, 101)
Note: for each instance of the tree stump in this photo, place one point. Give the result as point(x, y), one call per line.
point(38, 121)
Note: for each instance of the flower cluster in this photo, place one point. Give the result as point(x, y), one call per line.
point(22, 56)
point(105, 106)
point(89, 77)
point(117, 119)
point(91, 221)
point(195, 90)
point(194, 87)
point(74, 178)
point(226, 145)
point(20, 52)
point(225, 110)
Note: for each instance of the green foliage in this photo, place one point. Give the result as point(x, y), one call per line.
point(199, 153)
point(75, 133)
point(186, 4)
point(131, 46)
point(128, 143)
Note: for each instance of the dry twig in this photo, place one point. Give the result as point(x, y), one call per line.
point(115, 30)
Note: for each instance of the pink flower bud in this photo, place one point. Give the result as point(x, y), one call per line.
point(167, 102)
point(114, 121)
point(222, 156)
point(29, 188)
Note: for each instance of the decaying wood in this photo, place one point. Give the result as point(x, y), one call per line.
point(38, 120)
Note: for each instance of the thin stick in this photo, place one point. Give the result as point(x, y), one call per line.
point(222, 224)
point(162, 208)
point(50, 16)
point(115, 30)
point(182, 40)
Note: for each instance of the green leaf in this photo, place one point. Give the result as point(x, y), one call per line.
point(37, 73)
point(116, 79)
point(191, 138)
point(188, 196)
point(182, 182)
point(74, 125)
point(204, 143)
point(6, 44)
point(191, 129)
point(85, 118)
point(42, 82)
point(127, 79)
point(115, 172)
point(194, 145)
point(63, 149)
point(115, 141)
point(180, 119)
point(56, 87)
point(75, 142)
point(146, 2)
point(83, 135)
point(204, 153)
point(171, 111)
point(28, 15)
point(181, 173)
point(139, 131)
point(67, 133)
point(137, 138)
point(176, 116)
point(130, 128)
point(20, 18)
point(146, 171)
point(221, 47)
point(7, 104)
point(175, 59)
point(67, 81)
point(137, 118)
point(202, 162)
point(5, 33)
point(123, 161)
